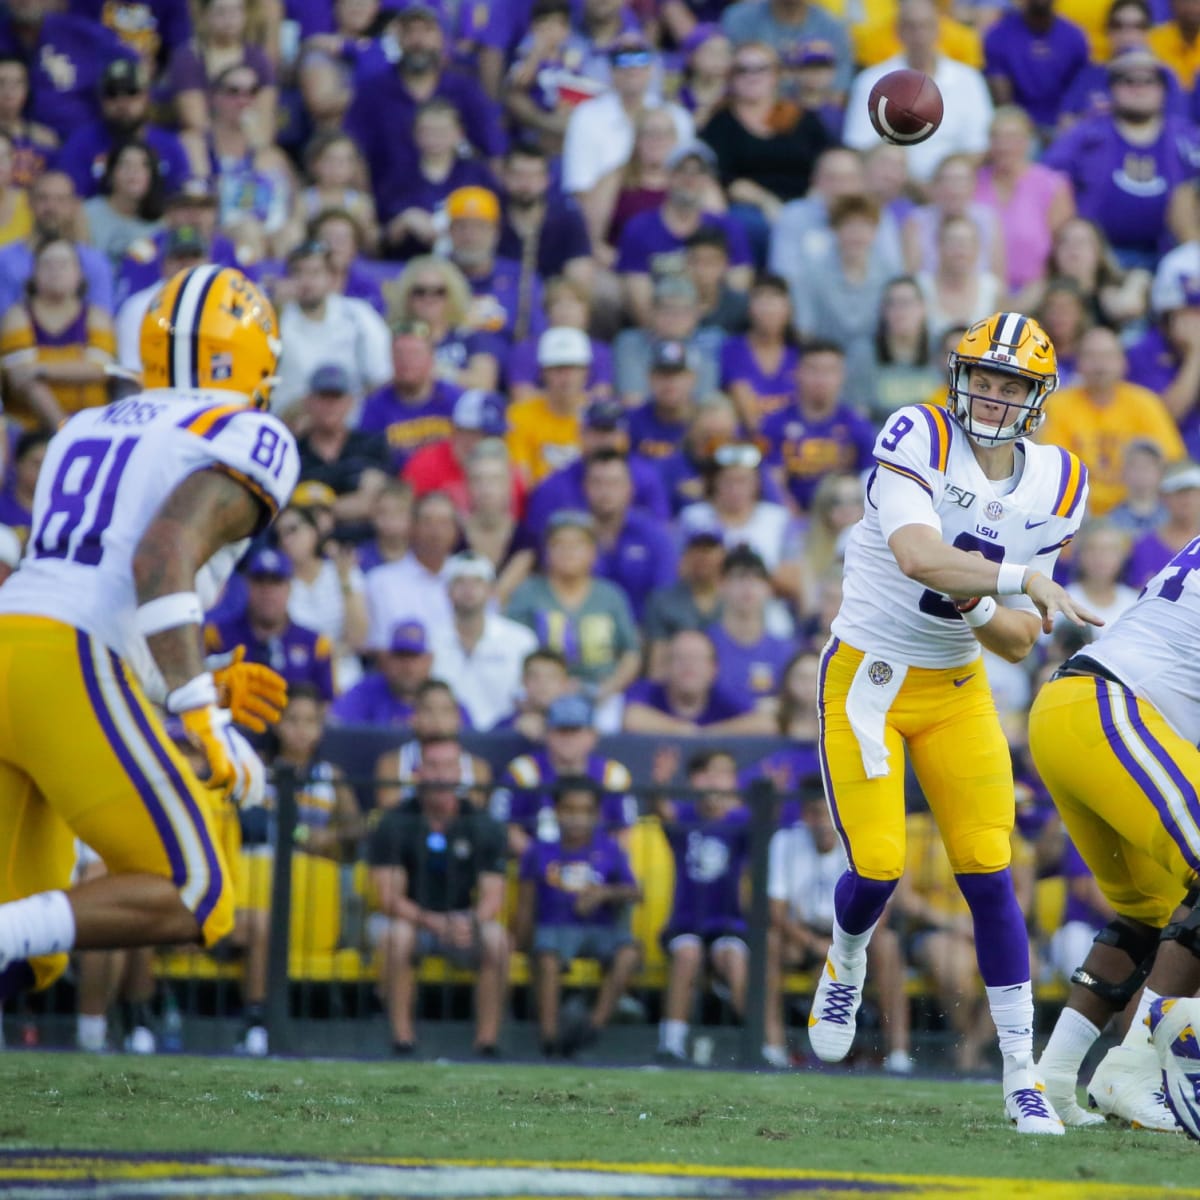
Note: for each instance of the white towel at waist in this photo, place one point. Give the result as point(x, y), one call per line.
point(874, 689)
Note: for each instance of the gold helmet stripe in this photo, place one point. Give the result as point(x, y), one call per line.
point(189, 304)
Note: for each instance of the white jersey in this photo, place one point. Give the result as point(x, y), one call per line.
point(926, 473)
point(106, 474)
point(1152, 647)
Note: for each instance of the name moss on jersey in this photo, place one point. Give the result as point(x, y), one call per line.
point(106, 474)
point(884, 611)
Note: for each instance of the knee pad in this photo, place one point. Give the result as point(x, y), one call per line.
point(1139, 943)
point(1185, 932)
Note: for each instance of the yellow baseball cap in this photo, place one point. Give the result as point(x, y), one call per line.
point(472, 203)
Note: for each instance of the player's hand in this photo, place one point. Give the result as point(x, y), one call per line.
point(255, 695)
point(234, 769)
point(1052, 600)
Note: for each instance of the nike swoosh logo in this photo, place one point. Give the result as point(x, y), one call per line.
point(964, 679)
point(1034, 524)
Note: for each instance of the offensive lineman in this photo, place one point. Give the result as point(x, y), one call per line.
point(960, 507)
point(141, 511)
point(1114, 738)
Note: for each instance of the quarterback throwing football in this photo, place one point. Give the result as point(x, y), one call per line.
point(965, 518)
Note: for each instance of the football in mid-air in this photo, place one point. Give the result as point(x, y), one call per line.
point(905, 107)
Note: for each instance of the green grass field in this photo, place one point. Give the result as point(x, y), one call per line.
point(562, 1114)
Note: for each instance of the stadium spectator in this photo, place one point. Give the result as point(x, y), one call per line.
point(657, 427)
point(707, 55)
point(34, 144)
point(1032, 58)
point(806, 861)
point(600, 132)
point(786, 25)
point(817, 435)
point(417, 407)
point(1063, 314)
point(333, 169)
point(706, 264)
point(20, 482)
point(1031, 202)
point(387, 694)
point(543, 80)
point(586, 619)
point(1142, 509)
point(796, 720)
point(958, 293)
point(56, 346)
point(321, 327)
point(878, 38)
point(750, 659)
point(129, 205)
point(480, 655)
point(1124, 165)
point(124, 116)
point(223, 38)
point(435, 292)
point(347, 242)
point(758, 368)
point(1099, 558)
point(441, 466)
point(524, 797)
point(489, 525)
point(66, 56)
point(734, 503)
point(634, 549)
point(906, 368)
point(652, 243)
point(269, 634)
point(1099, 416)
point(55, 214)
point(836, 507)
point(544, 678)
point(693, 601)
point(437, 867)
point(412, 586)
point(1177, 42)
point(544, 433)
point(689, 702)
point(16, 217)
point(709, 840)
point(391, 524)
point(675, 318)
point(713, 423)
point(1180, 492)
point(574, 893)
point(968, 107)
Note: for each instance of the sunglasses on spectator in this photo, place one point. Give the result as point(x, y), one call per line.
point(429, 291)
point(752, 68)
point(1137, 80)
point(1136, 23)
point(737, 454)
point(241, 93)
point(632, 58)
point(114, 91)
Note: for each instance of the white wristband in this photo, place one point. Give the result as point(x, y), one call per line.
point(200, 692)
point(168, 612)
point(982, 613)
point(1010, 579)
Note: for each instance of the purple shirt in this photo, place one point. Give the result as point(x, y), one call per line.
point(457, 347)
point(371, 702)
point(750, 672)
point(187, 71)
point(1040, 66)
point(408, 427)
point(772, 392)
point(648, 247)
point(1124, 188)
point(1090, 96)
point(642, 558)
point(522, 367)
point(300, 655)
point(501, 289)
point(651, 436)
point(1154, 364)
point(65, 65)
point(563, 237)
point(721, 706)
point(84, 156)
point(682, 478)
point(142, 265)
point(808, 450)
point(560, 874)
point(152, 28)
point(564, 489)
point(424, 193)
point(16, 266)
point(527, 787)
point(787, 769)
point(1148, 556)
point(709, 859)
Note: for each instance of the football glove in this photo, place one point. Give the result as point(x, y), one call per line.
point(234, 770)
point(254, 695)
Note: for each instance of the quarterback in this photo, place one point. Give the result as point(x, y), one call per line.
point(141, 511)
point(964, 520)
point(1114, 738)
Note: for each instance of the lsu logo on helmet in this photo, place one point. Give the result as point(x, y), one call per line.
point(1016, 345)
point(210, 327)
point(1173, 1023)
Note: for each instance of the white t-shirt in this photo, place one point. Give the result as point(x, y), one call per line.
point(486, 682)
point(321, 606)
point(405, 591)
point(765, 533)
point(801, 875)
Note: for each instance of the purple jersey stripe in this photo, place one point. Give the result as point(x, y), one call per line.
point(935, 437)
point(1064, 479)
point(1190, 800)
point(221, 422)
point(140, 783)
point(216, 877)
point(1081, 483)
point(826, 778)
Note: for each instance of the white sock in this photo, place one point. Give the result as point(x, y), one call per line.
point(1138, 1033)
point(672, 1035)
point(1012, 1011)
point(91, 1033)
point(1070, 1040)
point(850, 948)
point(35, 926)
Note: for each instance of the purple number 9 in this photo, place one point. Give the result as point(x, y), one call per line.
point(900, 426)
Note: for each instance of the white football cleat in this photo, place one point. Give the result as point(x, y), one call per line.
point(141, 1041)
point(1173, 1023)
point(1128, 1085)
point(1027, 1107)
point(1063, 1095)
point(254, 1043)
point(834, 1007)
point(899, 1062)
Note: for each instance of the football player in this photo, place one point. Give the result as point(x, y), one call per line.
point(965, 518)
point(1114, 735)
point(141, 511)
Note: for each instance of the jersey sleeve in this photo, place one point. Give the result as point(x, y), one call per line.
point(915, 443)
point(253, 447)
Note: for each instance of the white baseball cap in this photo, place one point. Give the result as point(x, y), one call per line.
point(563, 346)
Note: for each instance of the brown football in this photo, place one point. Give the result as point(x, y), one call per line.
point(905, 107)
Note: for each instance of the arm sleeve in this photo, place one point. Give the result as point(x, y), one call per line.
point(902, 502)
point(911, 451)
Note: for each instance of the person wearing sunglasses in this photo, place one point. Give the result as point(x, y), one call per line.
point(785, 23)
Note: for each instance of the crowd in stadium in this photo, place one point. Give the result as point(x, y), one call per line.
point(591, 311)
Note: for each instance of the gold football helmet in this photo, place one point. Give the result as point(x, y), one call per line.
point(1016, 345)
point(210, 327)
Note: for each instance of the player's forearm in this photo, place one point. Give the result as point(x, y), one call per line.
point(1010, 634)
point(162, 567)
point(923, 556)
